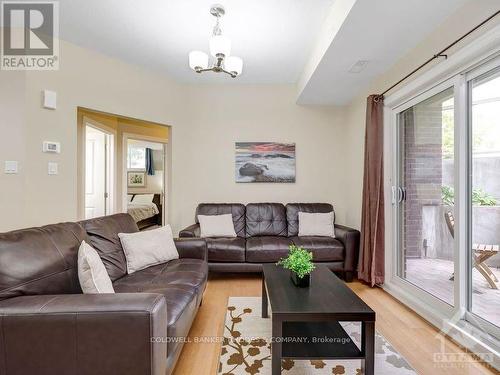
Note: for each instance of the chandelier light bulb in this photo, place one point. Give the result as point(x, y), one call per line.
point(220, 45)
point(198, 60)
point(234, 64)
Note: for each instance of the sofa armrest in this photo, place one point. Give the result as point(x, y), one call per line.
point(190, 232)
point(93, 334)
point(191, 248)
point(350, 239)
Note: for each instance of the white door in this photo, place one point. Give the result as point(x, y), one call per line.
point(95, 173)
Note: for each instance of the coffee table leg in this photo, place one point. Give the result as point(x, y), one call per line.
point(368, 347)
point(264, 299)
point(276, 346)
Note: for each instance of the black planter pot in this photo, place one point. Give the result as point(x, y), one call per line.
point(300, 282)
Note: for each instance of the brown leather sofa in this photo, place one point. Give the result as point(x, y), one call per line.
point(264, 232)
point(47, 326)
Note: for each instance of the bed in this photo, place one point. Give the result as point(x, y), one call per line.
point(146, 209)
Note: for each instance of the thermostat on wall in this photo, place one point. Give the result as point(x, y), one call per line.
point(51, 147)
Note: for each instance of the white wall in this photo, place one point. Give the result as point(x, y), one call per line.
point(13, 135)
point(86, 79)
point(205, 120)
point(221, 115)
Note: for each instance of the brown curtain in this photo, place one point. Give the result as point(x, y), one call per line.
point(371, 260)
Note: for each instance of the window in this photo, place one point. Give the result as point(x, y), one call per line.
point(136, 158)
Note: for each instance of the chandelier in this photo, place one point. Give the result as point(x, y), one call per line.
point(220, 48)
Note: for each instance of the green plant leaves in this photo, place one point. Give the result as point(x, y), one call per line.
point(299, 261)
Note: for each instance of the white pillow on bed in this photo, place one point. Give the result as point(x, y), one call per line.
point(143, 198)
point(148, 248)
point(316, 224)
point(216, 226)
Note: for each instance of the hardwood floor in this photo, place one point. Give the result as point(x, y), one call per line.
point(412, 336)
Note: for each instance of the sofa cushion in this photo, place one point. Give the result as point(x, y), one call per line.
point(187, 274)
point(148, 248)
point(103, 235)
point(316, 224)
point(324, 249)
point(92, 274)
point(226, 249)
point(41, 260)
point(267, 249)
point(181, 281)
point(292, 214)
point(266, 219)
point(235, 209)
point(216, 226)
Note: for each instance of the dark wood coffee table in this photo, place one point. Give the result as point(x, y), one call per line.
point(305, 321)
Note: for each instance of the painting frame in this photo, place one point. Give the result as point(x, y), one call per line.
point(136, 179)
point(265, 162)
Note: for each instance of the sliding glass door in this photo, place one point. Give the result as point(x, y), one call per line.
point(446, 197)
point(484, 198)
point(425, 194)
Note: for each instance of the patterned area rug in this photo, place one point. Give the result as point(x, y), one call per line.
point(246, 348)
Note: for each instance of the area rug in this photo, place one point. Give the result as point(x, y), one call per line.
point(246, 347)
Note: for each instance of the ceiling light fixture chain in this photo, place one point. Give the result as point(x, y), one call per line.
point(220, 48)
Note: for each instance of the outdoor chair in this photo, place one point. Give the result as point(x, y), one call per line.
point(482, 253)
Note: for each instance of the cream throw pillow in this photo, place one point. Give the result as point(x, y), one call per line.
point(216, 225)
point(316, 224)
point(92, 274)
point(148, 248)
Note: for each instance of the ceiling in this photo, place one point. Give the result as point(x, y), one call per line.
point(381, 32)
point(272, 36)
point(277, 39)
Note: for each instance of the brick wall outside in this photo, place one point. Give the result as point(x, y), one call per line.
point(422, 169)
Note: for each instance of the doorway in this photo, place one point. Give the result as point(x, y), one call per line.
point(104, 165)
point(144, 177)
point(98, 172)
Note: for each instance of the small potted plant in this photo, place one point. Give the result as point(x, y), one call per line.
point(299, 262)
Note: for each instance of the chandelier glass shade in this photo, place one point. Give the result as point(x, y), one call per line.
point(198, 59)
point(220, 44)
point(220, 49)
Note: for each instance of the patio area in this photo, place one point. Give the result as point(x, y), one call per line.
point(433, 275)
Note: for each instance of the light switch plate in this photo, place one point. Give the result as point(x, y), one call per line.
point(11, 167)
point(52, 168)
point(49, 99)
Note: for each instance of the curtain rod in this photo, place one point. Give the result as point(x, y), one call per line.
point(441, 53)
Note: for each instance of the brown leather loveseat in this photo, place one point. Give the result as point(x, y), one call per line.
point(264, 232)
point(48, 327)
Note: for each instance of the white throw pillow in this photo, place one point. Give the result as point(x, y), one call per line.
point(216, 226)
point(148, 248)
point(92, 274)
point(143, 198)
point(316, 224)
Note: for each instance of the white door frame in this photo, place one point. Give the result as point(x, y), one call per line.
point(111, 163)
point(164, 198)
